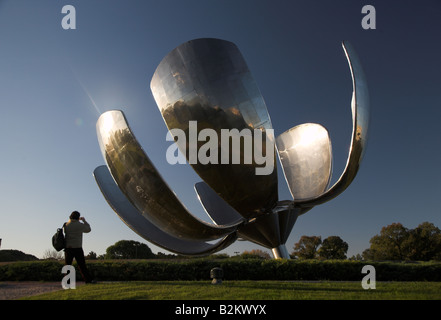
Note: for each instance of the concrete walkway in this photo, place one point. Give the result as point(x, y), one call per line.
point(11, 290)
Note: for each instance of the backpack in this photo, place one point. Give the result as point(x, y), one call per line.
point(58, 241)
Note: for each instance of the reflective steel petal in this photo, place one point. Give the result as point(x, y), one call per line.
point(219, 211)
point(208, 81)
point(144, 228)
point(360, 124)
point(139, 180)
point(306, 157)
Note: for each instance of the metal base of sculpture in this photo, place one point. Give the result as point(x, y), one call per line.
point(280, 252)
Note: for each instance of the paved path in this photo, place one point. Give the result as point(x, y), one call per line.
point(11, 290)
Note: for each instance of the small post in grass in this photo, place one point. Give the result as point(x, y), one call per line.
point(216, 274)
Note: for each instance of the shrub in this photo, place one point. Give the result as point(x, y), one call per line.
point(15, 255)
point(233, 269)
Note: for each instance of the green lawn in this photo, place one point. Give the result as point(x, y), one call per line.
point(247, 290)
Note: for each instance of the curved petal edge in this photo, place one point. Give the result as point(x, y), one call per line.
point(144, 228)
point(360, 123)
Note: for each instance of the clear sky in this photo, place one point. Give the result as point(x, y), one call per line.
point(54, 83)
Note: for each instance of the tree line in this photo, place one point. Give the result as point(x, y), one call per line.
point(395, 242)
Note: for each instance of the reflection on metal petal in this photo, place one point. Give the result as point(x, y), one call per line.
point(139, 180)
point(208, 81)
point(306, 157)
point(360, 124)
point(219, 211)
point(269, 230)
point(144, 228)
point(287, 213)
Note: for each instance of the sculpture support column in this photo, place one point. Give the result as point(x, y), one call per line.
point(280, 252)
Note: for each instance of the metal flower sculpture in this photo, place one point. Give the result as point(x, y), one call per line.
point(207, 82)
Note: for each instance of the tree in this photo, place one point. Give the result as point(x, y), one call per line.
point(333, 247)
point(395, 242)
point(91, 256)
point(357, 257)
point(255, 253)
point(424, 243)
point(129, 249)
point(307, 246)
point(367, 255)
point(390, 244)
point(51, 254)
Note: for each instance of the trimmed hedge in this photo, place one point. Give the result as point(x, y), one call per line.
point(248, 269)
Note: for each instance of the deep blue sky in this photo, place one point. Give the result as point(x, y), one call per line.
point(293, 48)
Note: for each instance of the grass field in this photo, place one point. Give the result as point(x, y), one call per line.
point(247, 290)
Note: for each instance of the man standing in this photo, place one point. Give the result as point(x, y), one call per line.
point(73, 231)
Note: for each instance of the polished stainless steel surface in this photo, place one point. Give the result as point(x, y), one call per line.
point(280, 252)
point(217, 209)
point(360, 124)
point(147, 230)
point(139, 180)
point(269, 230)
point(208, 81)
point(306, 157)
